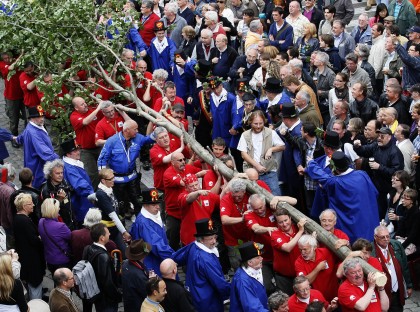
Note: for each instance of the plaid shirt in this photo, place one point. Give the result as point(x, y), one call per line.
point(309, 183)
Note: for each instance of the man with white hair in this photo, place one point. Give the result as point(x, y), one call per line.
point(362, 33)
point(296, 19)
point(254, 34)
point(171, 18)
point(307, 111)
point(204, 47)
point(211, 20)
point(245, 65)
point(222, 57)
point(328, 220)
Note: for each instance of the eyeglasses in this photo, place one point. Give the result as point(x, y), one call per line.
point(110, 179)
point(181, 160)
point(302, 291)
point(383, 237)
point(407, 198)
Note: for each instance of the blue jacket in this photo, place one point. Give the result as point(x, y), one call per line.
point(79, 180)
point(247, 294)
point(185, 83)
point(286, 35)
point(288, 167)
point(164, 60)
point(222, 117)
point(411, 68)
point(5, 136)
point(365, 38)
point(135, 41)
point(204, 278)
point(37, 150)
point(116, 157)
point(155, 235)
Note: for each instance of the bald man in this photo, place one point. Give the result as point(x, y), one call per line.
point(177, 297)
point(60, 297)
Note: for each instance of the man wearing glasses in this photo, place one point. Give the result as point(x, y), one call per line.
point(60, 297)
point(391, 255)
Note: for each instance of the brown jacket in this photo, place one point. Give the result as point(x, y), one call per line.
point(60, 303)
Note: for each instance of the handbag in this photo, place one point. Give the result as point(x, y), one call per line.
point(66, 253)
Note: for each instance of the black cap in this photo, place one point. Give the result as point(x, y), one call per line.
point(341, 162)
point(150, 196)
point(249, 250)
point(248, 97)
point(35, 111)
point(204, 227)
point(68, 146)
point(331, 139)
point(288, 110)
point(273, 85)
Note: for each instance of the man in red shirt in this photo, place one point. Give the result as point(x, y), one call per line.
point(318, 265)
point(160, 155)
point(84, 120)
point(143, 83)
point(13, 94)
point(355, 294)
point(173, 182)
point(196, 204)
point(285, 249)
point(27, 84)
point(169, 98)
point(328, 220)
point(111, 124)
point(177, 117)
point(147, 20)
point(304, 295)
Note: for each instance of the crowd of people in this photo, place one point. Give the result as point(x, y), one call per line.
point(323, 119)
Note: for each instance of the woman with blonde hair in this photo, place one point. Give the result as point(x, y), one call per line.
point(307, 44)
point(189, 42)
point(55, 236)
point(28, 246)
point(272, 51)
point(12, 298)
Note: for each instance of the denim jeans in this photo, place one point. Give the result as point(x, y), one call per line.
point(273, 183)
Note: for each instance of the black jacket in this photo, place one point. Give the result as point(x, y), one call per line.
point(188, 46)
point(36, 214)
point(403, 114)
point(104, 272)
point(241, 62)
point(390, 159)
point(189, 16)
point(177, 299)
point(365, 109)
point(317, 17)
point(220, 69)
point(301, 144)
point(133, 277)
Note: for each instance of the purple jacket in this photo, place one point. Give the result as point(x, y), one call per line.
point(60, 233)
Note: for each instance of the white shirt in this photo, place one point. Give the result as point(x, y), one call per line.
point(155, 218)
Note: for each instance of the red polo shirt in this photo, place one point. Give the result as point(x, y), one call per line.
point(156, 157)
point(268, 221)
point(201, 208)
point(106, 128)
point(12, 89)
point(234, 232)
point(304, 267)
point(340, 235)
point(158, 104)
point(172, 186)
point(85, 134)
point(177, 139)
point(349, 294)
point(141, 88)
point(295, 305)
point(30, 97)
point(284, 262)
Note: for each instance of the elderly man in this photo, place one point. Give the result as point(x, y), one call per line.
point(245, 65)
point(278, 302)
point(328, 220)
point(362, 33)
point(254, 34)
point(304, 295)
point(392, 62)
point(211, 20)
point(60, 296)
point(352, 215)
point(171, 18)
point(185, 12)
point(356, 294)
point(174, 184)
point(296, 19)
point(280, 33)
point(342, 40)
point(77, 177)
point(119, 154)
point(391, 255)
point(306, 111)
point(248, 292)
point(404, 13)
point(147, 20)
point(111, 124)
point(402, 134)
point(150, 228)
point(38, 148)
point(387, 159)
point(204, 47)
point(222, 57)
point(285, 249)
point(355, 72)
point(177, 298)
point(204, 277)
point(84, 120)
point(168, 99)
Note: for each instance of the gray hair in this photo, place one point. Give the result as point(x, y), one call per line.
point(50, 165)
point(212, 15)
point(329, 210)
point(323, 57)
point(250, 49)
point(351, 264)
point(255, 25)
point(147, 3)
point(160, 74)
point(93, 216)
point(351, 57)
point(106, 104)
point(307, 239)
point(288, 69)
point(126, 51)
point(296, 63)
point(363, 50)
point(364, 14)
point(238, 186)
point(380, 228)
point(277, 299)
point(392, 111)
point(305, 95)
point(172, 7)
point(158, 130)
point(207, 32)
point(128, 123)
point(255, 197)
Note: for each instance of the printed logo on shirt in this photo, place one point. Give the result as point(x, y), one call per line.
point(250, 222)
point(160, 155)
point(374, 298)
point(352, 297)
point(206, 203)
point(25, 82)
point(279, 240)
point(120, 124)
point(271, 218)
point(211, 183)
point(223, 209)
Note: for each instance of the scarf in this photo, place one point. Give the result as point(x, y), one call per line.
point(203, 247)
point(219, 99)
point(384, 262)
point(106, 189)
point(257, 274)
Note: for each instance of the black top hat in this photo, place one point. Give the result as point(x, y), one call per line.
point(214, 81)
point(248, 97)
point(138, 250)
point(331, 139)
point(288, 110)
point(340, 160)
point(150, 196)
point(241, 84)
point(35, 111)
point(249, 250)
point(273, 85)
point(159, 25)
point(68, 146)
point(204, 227)
point(180, 53)
point(203, 67)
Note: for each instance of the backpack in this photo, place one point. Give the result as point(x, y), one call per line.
point(86, 286)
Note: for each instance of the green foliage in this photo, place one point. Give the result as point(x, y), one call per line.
point(59, 37)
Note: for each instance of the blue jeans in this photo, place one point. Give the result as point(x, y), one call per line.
point(273, 183)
